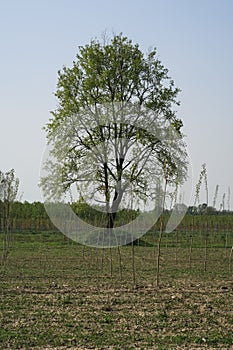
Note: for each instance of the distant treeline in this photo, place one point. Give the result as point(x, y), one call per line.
point(25, 216)
point(33, 216)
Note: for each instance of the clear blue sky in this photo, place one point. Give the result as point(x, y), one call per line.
point(194, 40)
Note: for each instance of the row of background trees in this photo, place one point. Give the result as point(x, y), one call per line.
point(16, 215)
point(25, 216)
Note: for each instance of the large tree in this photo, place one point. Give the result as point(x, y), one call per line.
point(115, 131)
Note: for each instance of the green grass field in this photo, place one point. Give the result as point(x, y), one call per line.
point(56, 294)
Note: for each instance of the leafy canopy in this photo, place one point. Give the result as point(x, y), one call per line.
point(115, 71)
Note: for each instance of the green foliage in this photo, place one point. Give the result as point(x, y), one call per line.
point(114, 71)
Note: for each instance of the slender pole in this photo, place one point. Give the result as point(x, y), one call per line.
point(160, 236)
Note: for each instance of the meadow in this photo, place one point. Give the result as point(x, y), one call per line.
point(56, 294)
